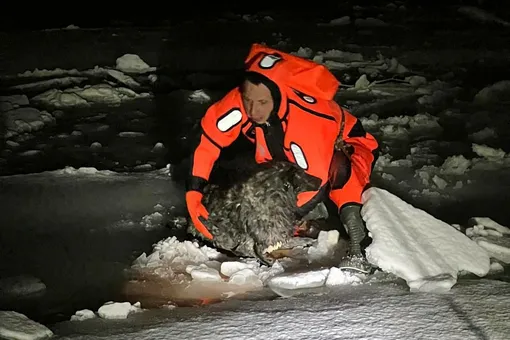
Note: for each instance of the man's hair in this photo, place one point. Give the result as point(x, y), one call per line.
point(256, 78)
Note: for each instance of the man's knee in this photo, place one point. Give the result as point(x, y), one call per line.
point(339, 170)
point(349, 194)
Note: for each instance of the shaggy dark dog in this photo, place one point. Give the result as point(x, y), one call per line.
point(253, 215)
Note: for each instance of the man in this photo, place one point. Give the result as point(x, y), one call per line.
point(285, 106)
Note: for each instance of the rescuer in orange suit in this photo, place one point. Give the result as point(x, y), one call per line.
point(285, 106)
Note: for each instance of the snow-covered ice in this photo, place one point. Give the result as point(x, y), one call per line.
point(492, 225)
point(19, 118)
point(180, 254)
point(109, 310)
point(203, 273)
point(491, 236)
point(132, 63)
point(481, 16)
point(474, 310)
point(338, 277)
point(95, 94)
point(21, 285)
point(309, 279)
point(325, 245)
point(345, 20)
point(16, 326)
point(118, 310)
point(417, 247)
point(83, 314)
point(199, 96)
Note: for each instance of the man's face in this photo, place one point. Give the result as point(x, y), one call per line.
point(258, 102)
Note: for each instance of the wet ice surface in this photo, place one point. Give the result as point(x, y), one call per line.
point(444, 148)
point(473, 310)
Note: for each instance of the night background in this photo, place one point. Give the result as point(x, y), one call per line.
point(100, 105)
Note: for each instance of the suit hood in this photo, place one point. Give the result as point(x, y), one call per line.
point(287, 70)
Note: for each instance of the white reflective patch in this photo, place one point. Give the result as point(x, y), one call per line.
point(309, 99)
point(305, 97)
point(269, 60)
point(230, 120)
point(299, 156)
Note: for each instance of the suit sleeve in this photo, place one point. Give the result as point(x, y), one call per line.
point(220, 128)
point(362, 146)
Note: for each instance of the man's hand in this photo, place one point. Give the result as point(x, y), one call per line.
point(198, 212)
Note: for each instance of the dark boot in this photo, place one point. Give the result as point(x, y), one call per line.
point(350, 216)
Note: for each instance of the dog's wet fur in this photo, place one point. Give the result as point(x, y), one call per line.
point(255, 208)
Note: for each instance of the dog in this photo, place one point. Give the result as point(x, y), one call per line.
point(253, 213)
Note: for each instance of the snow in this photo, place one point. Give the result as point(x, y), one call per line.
point(369, 22)
point(475, 310)
point(246, 277)
point(203, 273)
point(83, 314)
point(496, 92)
point(342, 21)
point(199, 96)
point(338, 277)
point(172, 251)
point(492, 154)
point(67, 78)
point(309, 279)
point(131, 134)
point(21, 285)
point(496, 251)
point(19, 118)
point(492, 237)
point(17, 326)
point(117, 310)
point(158, 147)
point(132, 63)
point(486, 134)
point(123, 78)
point(107, 93)
point(83, 97)
point(229, 268)
point(344, 60)
point(482, 16)
point(490, 224)
point(13, 101)
point(170, 258)
point(325, 245)
point(185, 262)
point(109, 310)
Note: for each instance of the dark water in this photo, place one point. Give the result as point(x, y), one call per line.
point(80, 269)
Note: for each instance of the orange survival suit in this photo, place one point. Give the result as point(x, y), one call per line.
point(307, 127)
